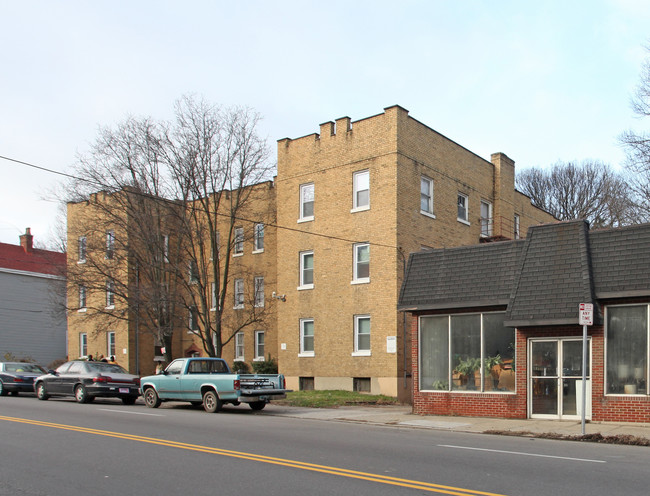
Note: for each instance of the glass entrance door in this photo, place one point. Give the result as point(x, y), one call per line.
point(555, 378)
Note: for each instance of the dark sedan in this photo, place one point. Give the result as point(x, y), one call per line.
point(87, 381)
point(18, 377)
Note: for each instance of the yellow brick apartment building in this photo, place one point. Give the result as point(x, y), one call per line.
point(347, 206)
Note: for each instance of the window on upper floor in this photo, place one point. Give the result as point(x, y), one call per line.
point(82, 297)
point(110, 293)
point(306, 202)
point(361, 335)
point(258, 242)
point(361, 190)
point(239, 347)
point(426, 196)
point(110, 245)
point(361, 273)
point(193, 272)
point(463, 209)
point(626, 348)
point(259, 291)
point(307, 337)
point(213, 296)
point(486, 219)
point(239, 293)
point(82, 249)
point(259, 346)
point(516, 231)
point(306, 270)
point(193, 320)
point(239, 241)
point(165, 248)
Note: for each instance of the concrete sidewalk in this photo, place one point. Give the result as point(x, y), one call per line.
point(401, 416)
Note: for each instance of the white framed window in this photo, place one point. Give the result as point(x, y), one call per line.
point(361, 335)
point(213, 297)
point(259, 291)
point(239, 241)
point(83, 344)
point(361, 191)
point(306, 270)
point(426, 196)
point(516, 231)
point(306, 202)
point(486, 219)
point(82, 249)
point(110, 343)
point(193, 272)
point(239, 293)
point(110, 245)
point(110, 293)
point(258, 241)
point(239, 347)
point(165, 248)
point(193, 320)
point(83, 295)
point(259, 346)
point(306, 337)
point(463, 209)
point(361, 272)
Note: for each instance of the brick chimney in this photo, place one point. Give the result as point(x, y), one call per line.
point(26, 241)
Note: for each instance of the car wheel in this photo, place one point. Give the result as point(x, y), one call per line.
point(41, 392)
point(257, 405)
point(151, 398)
point(3, 391)
point(80, 394)
point(129, 400)
point(211, 402)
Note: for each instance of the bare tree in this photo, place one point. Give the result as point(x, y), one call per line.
point(590, 190)
point(176, 199)
point(637, 144)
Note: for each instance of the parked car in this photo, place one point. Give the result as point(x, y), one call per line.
point(17, 377)
point(87, 381)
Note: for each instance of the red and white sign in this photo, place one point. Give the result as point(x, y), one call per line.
point(586, 314)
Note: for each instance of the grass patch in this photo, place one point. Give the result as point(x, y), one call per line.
point(334, 399)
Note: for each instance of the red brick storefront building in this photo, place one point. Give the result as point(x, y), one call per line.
point(496, 332)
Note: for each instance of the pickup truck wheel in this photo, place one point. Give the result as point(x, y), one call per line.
point(257, 405)
point(41, 392)
point(151, 398)
point(211, 402)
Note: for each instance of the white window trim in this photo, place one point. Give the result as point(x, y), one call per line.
point(83, 289)
point(360, 280)
point(307, 218)
point(490, 220)
point(85, 249)
point(108, 342)
point(430, 181)
point(213, 297)
point(110, 293)
point(355, 206)
point(302, 286)
point(239, 358)
point(302, 353)
point(239, 233)
point(83, 336)
point(463, 221)
point(256, 303)
point(255, 237)
point(259, 358)
point(517, 227)
point(356, 351)
point(239, 306)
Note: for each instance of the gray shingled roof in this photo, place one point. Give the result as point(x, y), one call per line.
point(541, 279)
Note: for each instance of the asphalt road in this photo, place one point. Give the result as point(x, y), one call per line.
point(59, 447)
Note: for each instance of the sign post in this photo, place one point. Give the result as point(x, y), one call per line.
point(585, 318)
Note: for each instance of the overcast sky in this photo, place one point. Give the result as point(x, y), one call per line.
point(539, 81)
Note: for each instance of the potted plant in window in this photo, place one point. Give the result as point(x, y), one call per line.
point(466, 368)
point(493, 368)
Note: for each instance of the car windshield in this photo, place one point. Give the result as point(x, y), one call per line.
point(105, 368)
point(24, 367)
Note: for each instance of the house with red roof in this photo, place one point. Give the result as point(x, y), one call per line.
point(33, 322)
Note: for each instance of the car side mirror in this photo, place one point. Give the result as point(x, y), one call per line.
point(51, 372)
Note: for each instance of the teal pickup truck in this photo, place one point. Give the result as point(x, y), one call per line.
point(208, 381)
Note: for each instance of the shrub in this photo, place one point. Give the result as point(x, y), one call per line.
point(240, 368)
point(268, 366)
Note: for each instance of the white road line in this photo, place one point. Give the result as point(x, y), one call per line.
point(131, 413)
point(523, 454)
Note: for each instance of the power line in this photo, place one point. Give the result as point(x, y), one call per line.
point(153, 197)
